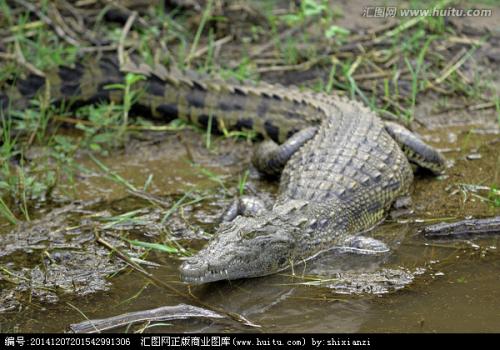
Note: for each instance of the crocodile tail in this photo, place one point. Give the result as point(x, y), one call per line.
point(273, 111)
point(17, 96)
point(85, 82)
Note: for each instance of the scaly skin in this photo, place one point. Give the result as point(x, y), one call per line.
point(339, 183)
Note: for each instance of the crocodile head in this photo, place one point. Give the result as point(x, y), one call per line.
point(247, 247)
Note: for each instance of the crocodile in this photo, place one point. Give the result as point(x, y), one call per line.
point(341, 167)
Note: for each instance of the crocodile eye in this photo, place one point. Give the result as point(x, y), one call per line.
point(247, 235)
point(303, 223)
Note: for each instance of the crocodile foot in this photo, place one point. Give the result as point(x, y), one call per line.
point(364, 245)
point(245, 206)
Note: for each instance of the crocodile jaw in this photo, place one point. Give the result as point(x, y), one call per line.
point(207, 267)
point(242, 249)
point(195, 274)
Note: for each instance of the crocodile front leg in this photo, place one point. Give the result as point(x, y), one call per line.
point(364, 245)
point(270, 158)
point(246, 206)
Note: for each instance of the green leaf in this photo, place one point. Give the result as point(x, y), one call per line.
point(95, 147)
point(335, 31)
point(131, 78)
point(312, 8)
point(114, 86)
point(156, 246)
point(291, 19)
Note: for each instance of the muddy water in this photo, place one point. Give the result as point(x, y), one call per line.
point(443, 286)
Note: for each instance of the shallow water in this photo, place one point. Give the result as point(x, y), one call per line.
point(453, 285)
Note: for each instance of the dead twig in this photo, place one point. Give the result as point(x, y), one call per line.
point(123, 36)
point(479, 106)
point(59, 31)
point(163, 313)
point(452, 68)
point(117, 4)
point(217, 45)
point(57, 18)
point(22, 61)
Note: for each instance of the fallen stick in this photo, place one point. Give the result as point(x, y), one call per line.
point(164, 313)
point(462, 228)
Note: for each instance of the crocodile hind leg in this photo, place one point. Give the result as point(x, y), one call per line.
point(402, 206)
point(364, 245)
point(270, 158)
point(416, 150)
point(246, 206)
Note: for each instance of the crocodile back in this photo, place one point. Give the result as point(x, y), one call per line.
point(352, 166)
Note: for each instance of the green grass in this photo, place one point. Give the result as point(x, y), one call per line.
point(18, 184)
point(7, 213)
point(415, 76)
point(486, 194)
point(494, 196)
point(130, 96)
point(497, 107)
point(43, 49)
point(111, 175)
point(184, 200)
point(245, 70)
point(206, 14)
point(210, 175)
point(100, 133)
point(242, 181)
point(38, 125)
point(131, 217)
point(307, 9)
point(208, 134)
point(165, 248)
